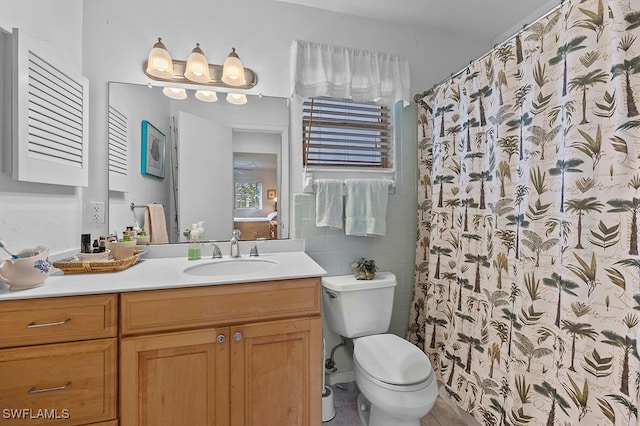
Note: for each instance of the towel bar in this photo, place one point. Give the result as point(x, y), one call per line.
point(309, 184)
point(139, 206)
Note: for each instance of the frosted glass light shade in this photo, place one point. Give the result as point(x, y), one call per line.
point(159, 63)
point(175, 93)
point(233, 71)
point(237, 98)
point(197, 68)
point(206, 95)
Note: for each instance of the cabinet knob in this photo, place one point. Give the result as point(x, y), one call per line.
point(237, 336)
point(221, 338)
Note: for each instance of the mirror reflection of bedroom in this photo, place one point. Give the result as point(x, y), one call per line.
point(255, 179)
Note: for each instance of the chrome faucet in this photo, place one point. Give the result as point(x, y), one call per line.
point(254, 249)
point(233, 242)
point(217, 254)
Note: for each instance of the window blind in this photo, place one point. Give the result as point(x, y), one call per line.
point(343, 133)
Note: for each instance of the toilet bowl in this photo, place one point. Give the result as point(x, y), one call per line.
point(396, 380)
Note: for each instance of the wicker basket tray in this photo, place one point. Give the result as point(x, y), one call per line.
point(78, 267)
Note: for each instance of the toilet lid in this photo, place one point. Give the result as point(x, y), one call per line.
point(391, 359)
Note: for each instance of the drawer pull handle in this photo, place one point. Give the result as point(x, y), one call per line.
point(221, 338)
point(57, 388)
point(237, 336)
point(48, 324)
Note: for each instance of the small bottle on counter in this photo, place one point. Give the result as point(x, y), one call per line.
point(96, 247)
point(133, 234)
point(195, 251)
point(85, 243)
point(103, 244)
point(126, 236)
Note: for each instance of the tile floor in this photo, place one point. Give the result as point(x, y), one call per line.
point(344, 401)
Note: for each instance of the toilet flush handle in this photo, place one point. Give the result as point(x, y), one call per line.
point(331, 295)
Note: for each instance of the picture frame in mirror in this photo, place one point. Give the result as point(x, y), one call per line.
point(153, 158)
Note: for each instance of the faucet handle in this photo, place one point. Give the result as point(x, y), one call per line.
point(254, 249)
point(217, 254)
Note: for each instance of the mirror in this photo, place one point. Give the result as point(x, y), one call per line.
point(225, 165)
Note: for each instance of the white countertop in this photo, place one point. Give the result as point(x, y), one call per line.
point(152, 273)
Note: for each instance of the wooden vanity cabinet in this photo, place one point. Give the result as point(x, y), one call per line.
point(58, 362)
point(239, 354)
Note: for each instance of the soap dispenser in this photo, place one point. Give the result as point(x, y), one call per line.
point(201, 231)
point(195, 251)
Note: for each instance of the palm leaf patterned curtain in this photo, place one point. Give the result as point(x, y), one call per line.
point(527, 269)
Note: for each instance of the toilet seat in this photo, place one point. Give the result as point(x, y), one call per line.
point(392, 361)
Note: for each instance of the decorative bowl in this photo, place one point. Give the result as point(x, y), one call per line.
point(30, 270)
point(94, 257)
point(122, 249)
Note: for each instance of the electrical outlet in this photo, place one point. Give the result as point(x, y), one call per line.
point(96, 212)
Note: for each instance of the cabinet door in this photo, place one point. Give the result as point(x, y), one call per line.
point(175, 379)
point(276, 373)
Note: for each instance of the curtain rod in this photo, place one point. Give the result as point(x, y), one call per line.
point(419, 96)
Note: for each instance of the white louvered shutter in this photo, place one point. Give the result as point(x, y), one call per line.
point(118, 150)
point(50, 121)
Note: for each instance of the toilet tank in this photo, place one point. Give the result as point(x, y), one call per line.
point(355, 308)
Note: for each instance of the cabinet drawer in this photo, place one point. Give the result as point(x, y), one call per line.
point(60, 319)
point(176, 309)
point(67, 383)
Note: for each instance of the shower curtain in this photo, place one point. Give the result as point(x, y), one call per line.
point(527, 291)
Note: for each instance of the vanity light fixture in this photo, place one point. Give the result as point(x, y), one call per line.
point(206, 95)
point(237, 98)
point(196, 69)
point(175, 93)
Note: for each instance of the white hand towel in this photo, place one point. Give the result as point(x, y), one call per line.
point(329, 205)
point(155, 223)
point(366, 207)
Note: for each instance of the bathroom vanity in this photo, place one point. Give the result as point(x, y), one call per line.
point(153, 345)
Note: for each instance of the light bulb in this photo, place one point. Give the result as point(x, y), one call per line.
point(197, 68)
point(233, 71)
point(159, 63)
point(237, 98)
point(175, 93)
point(206, 95)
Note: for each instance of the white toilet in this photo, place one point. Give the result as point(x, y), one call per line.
point(395, 377)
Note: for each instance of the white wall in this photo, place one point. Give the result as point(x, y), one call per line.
point(32, 214)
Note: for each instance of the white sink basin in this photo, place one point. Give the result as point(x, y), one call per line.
point(230, 267)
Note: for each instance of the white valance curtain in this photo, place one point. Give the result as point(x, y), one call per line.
point(344, 72)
